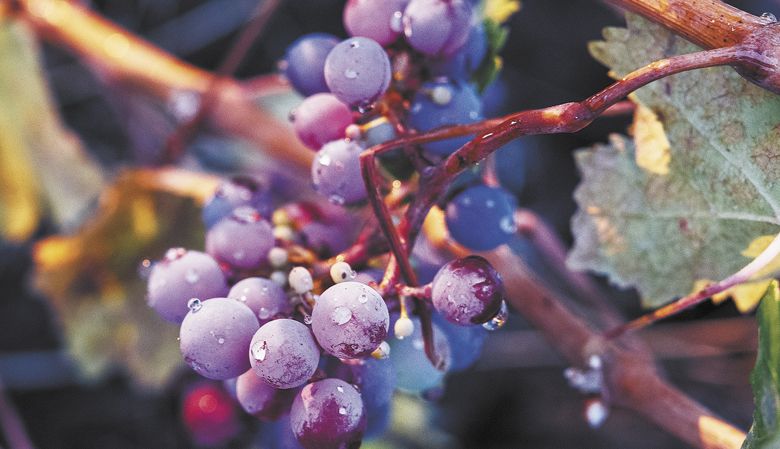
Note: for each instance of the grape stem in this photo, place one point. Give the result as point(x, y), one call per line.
point(747, 273)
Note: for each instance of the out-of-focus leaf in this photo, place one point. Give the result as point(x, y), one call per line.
point(765, 378)
point(661, 232)
point(41, 163)
point(495, 14)
point(93, 275)
point(499, 11)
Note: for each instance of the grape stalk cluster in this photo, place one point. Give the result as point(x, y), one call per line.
point(324, 351)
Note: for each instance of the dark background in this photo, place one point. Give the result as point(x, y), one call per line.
point(501, 403)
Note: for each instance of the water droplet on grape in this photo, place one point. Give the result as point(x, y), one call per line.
point(350, 74)
point(324, 160)
point(768, 16)
point(354, 44)
point(396, 21)
point(342, 410)
point(508, 225)
point(264, 313)
point(191, 276)
point(221, 340)
point(341, 315)
point(362, 299)
point(260, 351)
point(307, 319)
point(498, 321)
point(340, 389)
point(337, 200)
point(490, 204)
point(174, 253)
point(194, 304)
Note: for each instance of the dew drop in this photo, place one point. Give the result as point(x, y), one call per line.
point(307, 319)
point(354, 44)
point(260, 351)
point(341, 315)
point(194, 304)
point(350, 74)
point(362, 299)
point(191, 276)
point(768, 16)
point(340, 389)
point(337, 200)
point(490, 204)
point(498, 321)
point(324, 160)
point(396, 22)
point(342, 410)
point(508, 225)
point(221, 340)
point(264, 313)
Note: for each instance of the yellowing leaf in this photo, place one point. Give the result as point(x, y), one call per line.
point(660, 233)
point(93, 277)
point(41, 163)
point(746, 296)
point(500, 11)
point(652, 147)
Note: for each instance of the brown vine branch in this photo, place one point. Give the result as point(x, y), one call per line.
point(115, 53)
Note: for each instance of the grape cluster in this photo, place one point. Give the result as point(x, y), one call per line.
point(322, 350)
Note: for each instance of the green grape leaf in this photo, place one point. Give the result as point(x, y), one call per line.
point(765, 378)
point(662, 230)
point(93, 278)
point(495, 13)
point(34, 145)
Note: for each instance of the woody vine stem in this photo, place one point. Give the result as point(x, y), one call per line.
point(732, 37)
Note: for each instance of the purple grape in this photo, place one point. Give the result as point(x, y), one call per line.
point(336, 173)
point(325, 239)
point(379, 20)
point(230, 386)
point(214, 338)
point(481, 218)
point(263, 296)
point(439, 104)
point(241, 240)
point(260, 399)
point(328, 414)
point(467, 291)
point(305, 60)
point(180, 276)
point(235, 192)
point(437, 27)
point(320, 119)
point(284, 354)
point(358, 71)
point(350, 320)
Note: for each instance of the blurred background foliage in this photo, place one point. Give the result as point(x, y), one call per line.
point(88, 365)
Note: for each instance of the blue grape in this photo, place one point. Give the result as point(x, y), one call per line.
point(378, 131)
point(465, 61)
point(350, 320)
point(379, 20)
point(467, 291)
point(320, 119)
point(374, 378)
point(336, 173)
point(236, 192)
point(260, 399)
point(414, 372)
point(328, 414)
point(305, 61)
point(357, 71)
point(437, 27)
point(481, 218)
point(511, 162)
point(263, 296)
point(439, 104)
point(241, 240)
point(284, 354)
point(466, 342)
point(214, 338)
point(181, 276)
point(377, 420)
